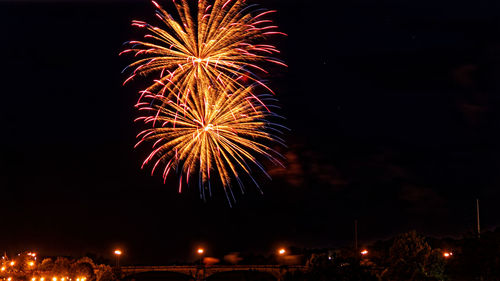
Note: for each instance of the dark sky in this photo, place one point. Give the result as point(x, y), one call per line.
point(393, 108)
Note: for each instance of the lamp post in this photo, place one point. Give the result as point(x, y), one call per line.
point(281, 256)
point(200, 252)
point(118, 253)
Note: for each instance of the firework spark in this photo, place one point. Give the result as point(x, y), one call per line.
point(207, 133)
point(218, 46)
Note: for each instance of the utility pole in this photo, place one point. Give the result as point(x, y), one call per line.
point(356, 235)
point(478, 225)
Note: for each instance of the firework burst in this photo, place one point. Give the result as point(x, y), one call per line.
point(218, 45)
point(209, 133)
point(207, 114)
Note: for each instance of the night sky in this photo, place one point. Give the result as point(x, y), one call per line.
point(393, 110)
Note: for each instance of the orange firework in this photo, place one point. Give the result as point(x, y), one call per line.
point(209, 132)
point(205, 119)
point(220, 46)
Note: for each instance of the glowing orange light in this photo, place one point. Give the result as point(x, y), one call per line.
point(3, 268)
point(447, 254)
point(282, 251)
point(33, 279)
point(12, 263)
point(200, 251)
point(364, 252)
point(31, 263)
point(118, 252)
point(9, 279)
point(54, 278)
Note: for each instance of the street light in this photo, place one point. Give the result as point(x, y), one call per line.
point(447, 254)
point(364, 252)
point(281, 251)
point(200, 252)
point(118, 253)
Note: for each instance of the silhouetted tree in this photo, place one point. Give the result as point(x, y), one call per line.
point(105, 273)
point(84, 267)
point(412, 259)
point(46, 265)
point(61, 266)
point(479, 259)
